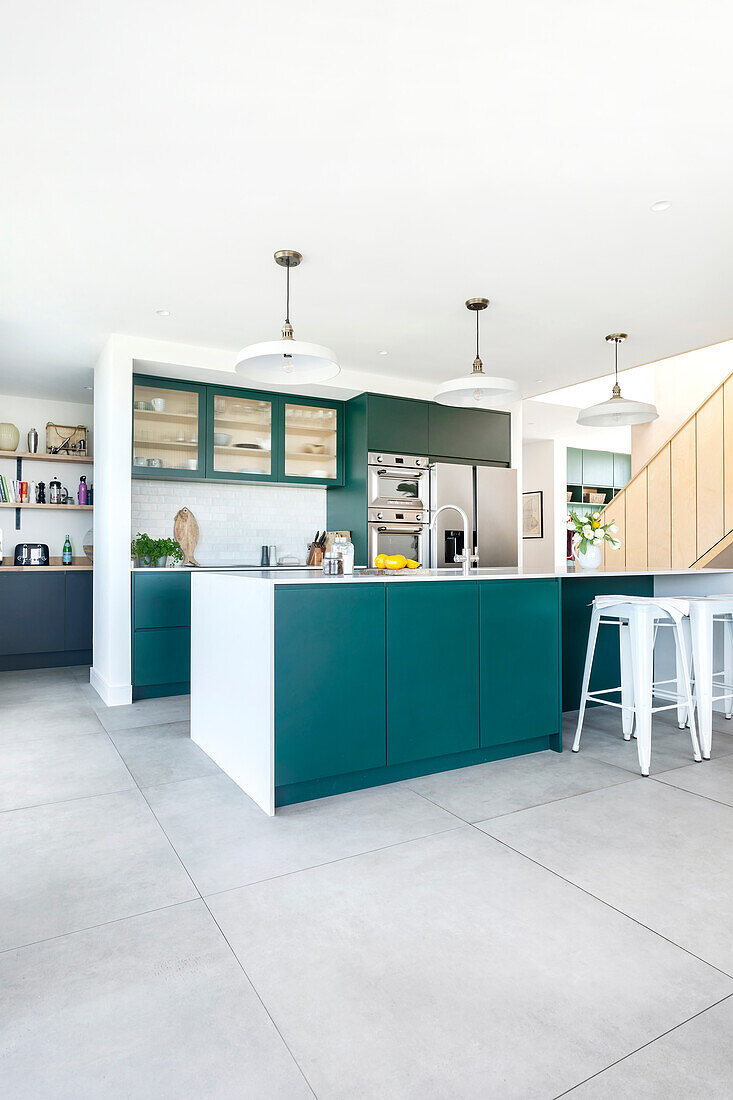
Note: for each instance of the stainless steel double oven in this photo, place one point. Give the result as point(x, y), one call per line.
point(398, 510)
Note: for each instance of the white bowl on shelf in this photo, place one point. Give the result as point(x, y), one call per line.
point(222, 439)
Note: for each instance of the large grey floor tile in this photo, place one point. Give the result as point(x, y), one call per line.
point(693, 1062)
point(65, 717)
point(145, 712)
point(72, 865)
point(151, 1006)
point(713, 780)
point(224, 840)
point(162, 754)
point(51, 770)
point(602, 739)
point(452, 967)
point(661, 855)
point(38, 689)
point(504, 786)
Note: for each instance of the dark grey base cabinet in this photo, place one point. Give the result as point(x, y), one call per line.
point(45, 619)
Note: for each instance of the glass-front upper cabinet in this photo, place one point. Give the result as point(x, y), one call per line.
point(311, 438)
point(167, 428)
point(242, 435)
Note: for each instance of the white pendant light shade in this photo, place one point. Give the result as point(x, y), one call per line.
point(282, 362)
point(618, 411)
point(478, 390)
point(483, 391)
point(287, 361)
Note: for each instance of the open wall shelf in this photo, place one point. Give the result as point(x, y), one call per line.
point(30, 456)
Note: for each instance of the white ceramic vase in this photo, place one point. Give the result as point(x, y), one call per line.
point(591, 559)
point(9, 437)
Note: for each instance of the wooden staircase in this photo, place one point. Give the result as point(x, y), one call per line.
point(677, 511)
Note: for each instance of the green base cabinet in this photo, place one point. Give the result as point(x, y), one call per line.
point(329, 681)
point(161, 634)
point(432, 669)
point(520, 660)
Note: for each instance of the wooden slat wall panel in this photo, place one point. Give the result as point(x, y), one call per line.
point(710, 473)
point(636, 522)
point(614, 560)
point(659, 507)
point(728, 454)
point(684, 497)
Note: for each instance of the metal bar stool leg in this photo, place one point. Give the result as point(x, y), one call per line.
point(627, 681)
point(590, 650)
point(728, 661)
point(641, 626)
point(701, 628)
point(685, 684)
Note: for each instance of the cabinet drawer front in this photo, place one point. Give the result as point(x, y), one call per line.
point(329, 681)
point(32, 612)
point(479, 435)
point(161, 599)
point(161, 656)
point(432, 669)
point(520, 660)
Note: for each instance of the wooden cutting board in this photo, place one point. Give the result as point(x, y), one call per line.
point(186, 533)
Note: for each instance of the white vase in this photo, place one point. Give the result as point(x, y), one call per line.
point(9, 437)
point(591, 559)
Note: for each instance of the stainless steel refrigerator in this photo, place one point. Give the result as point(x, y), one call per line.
point(488, 496)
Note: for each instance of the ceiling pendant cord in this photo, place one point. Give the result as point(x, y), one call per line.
point(287, 327)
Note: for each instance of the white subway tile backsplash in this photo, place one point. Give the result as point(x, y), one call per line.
point(234, 520)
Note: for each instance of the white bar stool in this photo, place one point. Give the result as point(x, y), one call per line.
point(637, 618)
point(704, 611)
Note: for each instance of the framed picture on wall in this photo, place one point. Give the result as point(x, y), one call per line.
point(533, 518)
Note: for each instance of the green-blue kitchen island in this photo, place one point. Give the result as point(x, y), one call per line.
point(307, 687)
point(303, 686)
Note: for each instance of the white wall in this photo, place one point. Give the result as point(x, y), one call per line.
point(234, 520)
point(544, 469)
point(50, 527)
point(110, 675)
point(681, 384)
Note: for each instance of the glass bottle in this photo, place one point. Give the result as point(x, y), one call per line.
point(66, 552)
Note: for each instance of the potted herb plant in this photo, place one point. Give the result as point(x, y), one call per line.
point(589, 535)
point(154, 553)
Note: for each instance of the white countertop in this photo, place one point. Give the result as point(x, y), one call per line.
point(293, 576)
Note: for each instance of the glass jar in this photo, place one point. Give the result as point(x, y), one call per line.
point(344, 547)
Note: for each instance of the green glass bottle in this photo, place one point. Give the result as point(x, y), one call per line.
point(66, 552)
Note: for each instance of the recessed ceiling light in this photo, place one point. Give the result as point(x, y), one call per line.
point(89, 387)
point(539, 381)
point(163, 312)
point(658, 207)
point(383, 353)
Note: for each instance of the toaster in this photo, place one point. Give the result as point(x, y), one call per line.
point(31, 553)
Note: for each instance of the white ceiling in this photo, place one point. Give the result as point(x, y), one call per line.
point(155, 154)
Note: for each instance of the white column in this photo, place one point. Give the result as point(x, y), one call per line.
point(110, 674)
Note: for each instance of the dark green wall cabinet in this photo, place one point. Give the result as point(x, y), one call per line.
point(432, 669)
point(161, 635)
point(476, 435)
point(45, 619)
point(329, 681)
point(224, 433)
point(397, 425)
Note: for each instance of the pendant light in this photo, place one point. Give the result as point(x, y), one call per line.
point(287, 362)
point(617, 411)
point(478, 390)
